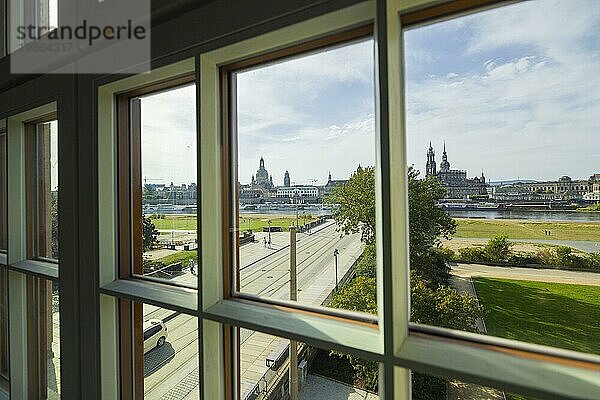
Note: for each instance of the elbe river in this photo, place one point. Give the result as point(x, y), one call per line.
point(552, 216)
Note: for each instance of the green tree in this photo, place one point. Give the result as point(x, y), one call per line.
point(433, 302)
point(497, 249)
point(427, 222)
point(354, 212)
point(354, 204)
point(149, 234)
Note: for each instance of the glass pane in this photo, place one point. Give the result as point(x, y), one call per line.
point(322, 374)
point(3, 194)
point(306, 158)
point(4, 344)
point(509, 102)
point(44, 326)
point(428, 387)
point(170, 348)
point(169, 190)
point(43, 191)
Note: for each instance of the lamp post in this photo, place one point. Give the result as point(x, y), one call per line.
point(335, 256)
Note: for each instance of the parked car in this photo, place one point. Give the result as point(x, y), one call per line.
point(155, 334)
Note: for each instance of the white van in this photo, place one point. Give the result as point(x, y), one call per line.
point(155, 334)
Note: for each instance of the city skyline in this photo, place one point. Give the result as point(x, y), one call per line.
point(507, 96)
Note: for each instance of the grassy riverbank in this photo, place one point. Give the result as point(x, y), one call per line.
point(254, 222)
point(553, 314)
point(527, 229)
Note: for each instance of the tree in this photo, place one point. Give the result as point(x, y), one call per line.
point(149, 234)
point(354, 204)
point(427, 222)
point(497, 249)
point(354, 212)
point(433, 302)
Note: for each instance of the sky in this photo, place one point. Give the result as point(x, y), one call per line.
point(513, 91)
point(169, 137)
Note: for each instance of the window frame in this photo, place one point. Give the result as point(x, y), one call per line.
point(398, 345)
point(229, 175)
point(519, 366)
point(33, 192)
point(130, 174)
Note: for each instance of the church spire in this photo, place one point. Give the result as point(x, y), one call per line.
point(444, 165)
point(430, 167)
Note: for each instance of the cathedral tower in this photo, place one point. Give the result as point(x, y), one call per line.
point(430, 169)
point(444, 165)
point(286, 179)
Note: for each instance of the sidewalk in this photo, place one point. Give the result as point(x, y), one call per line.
point(317, 387)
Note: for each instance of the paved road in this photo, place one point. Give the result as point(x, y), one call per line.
point(529, 274)
point(171, 372)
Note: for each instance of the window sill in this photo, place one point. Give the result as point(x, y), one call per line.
point(161, 295)
point(42, 269)
point(322, 331)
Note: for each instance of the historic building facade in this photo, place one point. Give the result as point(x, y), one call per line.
point(564, 188)
point(262, 190)
point(454, 181)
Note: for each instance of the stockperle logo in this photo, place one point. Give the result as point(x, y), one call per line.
point(115, 40)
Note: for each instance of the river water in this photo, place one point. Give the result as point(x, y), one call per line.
point(567, 216)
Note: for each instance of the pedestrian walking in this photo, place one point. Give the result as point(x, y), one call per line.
point(193, 267)
point(264, 242)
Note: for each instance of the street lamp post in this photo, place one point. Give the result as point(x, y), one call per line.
point(335, 256)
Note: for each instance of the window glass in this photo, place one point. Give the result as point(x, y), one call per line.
point(503, 179)
point(322, 374)
point(305, 157)
point(42, 189)
point(425, 387)
point(4, 344)
point(44, 334)
point(168, 351)
point(167, 122)
point(3, 194)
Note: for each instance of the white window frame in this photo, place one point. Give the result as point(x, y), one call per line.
point(395, 343)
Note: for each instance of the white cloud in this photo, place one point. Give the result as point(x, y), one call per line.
point(536, 115)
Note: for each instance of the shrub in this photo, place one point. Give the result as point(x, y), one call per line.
point(564, 255)
point(524, 259)
point(497, 249)
point(449, 254)
point(472, 254)
point(432, 266)
point(367, 264)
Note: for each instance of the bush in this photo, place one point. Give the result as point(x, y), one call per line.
point(367, 264)
point(427, 387)
point(564, 255)
point(524, 259)
point(472, 254)
point(497, 249)
point(449, 254)
point(432, 266)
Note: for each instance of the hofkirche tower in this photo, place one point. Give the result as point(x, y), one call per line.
point(430, 168)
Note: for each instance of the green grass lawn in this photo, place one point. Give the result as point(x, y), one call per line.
point(188, 222)
point(488, 228)
point(553, 314)
point(184, 256)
